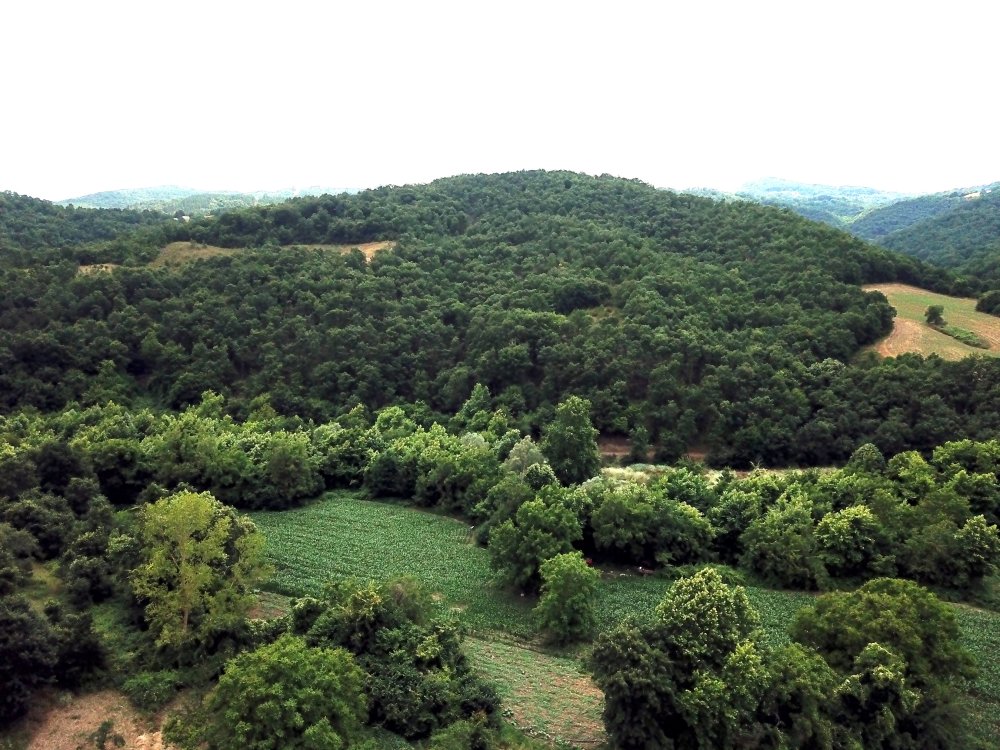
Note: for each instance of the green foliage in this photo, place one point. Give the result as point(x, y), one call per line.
point(935, 315)
point(962, 235)
point(418, 680)
point(150, 691)
point(104, 734)
point(17, 547)
point(781, 547)
point(851, 542)
point(867, 459)
point(28, 655)
point(541, 529)
point(693, 676)
point(795, 707)
point(566, 606)
point(199, 562)
point(989, 302)
point(535, 285)
point(901, 616)
point(638, 523)
point(287, 695)
point(570, 442)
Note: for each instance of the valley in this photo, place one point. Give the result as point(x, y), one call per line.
point(575, 447)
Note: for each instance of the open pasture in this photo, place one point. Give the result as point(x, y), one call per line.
point(912, 334)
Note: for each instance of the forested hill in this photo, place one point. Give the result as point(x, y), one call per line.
point(684, 321)
point(838, 206)
point(30, 226)
point(965, 238)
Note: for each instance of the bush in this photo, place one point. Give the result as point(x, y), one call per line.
point(150, 691)
point(285, 696)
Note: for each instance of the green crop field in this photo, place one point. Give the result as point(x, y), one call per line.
point(912, 334)
point(344, 535)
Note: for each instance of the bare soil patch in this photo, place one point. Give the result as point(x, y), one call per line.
point(614, 446)
point(178, 253)
point(370, 249)
point(86, 270)
point(56, 723)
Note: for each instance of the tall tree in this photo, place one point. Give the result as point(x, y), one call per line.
point(200, 561)
point(570, 442)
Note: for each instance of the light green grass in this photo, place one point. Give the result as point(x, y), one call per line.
point(344, 535)
point(547, 695)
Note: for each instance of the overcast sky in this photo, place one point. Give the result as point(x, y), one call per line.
point(218, 95)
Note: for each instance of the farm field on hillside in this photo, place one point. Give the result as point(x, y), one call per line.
point(912, 334)
point(178, 253)
point(344, 535)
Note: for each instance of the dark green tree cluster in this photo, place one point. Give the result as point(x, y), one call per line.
point(33, 231)
point(680, 319)
point(418, 680)
point(874, 668)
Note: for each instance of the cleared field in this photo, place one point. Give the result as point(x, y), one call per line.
point(86, 270)
point(912, 334)
point(368, 248)
point(179, 253)
point(342, 534)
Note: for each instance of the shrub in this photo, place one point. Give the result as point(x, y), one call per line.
point(150, 691)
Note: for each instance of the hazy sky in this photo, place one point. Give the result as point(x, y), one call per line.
point(242, 95)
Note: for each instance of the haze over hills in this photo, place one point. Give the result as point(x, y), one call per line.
point(170, 199)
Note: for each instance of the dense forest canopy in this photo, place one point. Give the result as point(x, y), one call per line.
point(33, 230)
point(965, 238)
point(686, 320)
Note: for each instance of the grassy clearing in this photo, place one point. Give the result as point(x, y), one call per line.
point(981, 635)
point(178, 253)
point(368, 248)
point(912, 334)
point(342, 534)
point(548, 696)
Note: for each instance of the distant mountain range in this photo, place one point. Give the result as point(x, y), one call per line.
point(958, 229)
point(171, 199)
